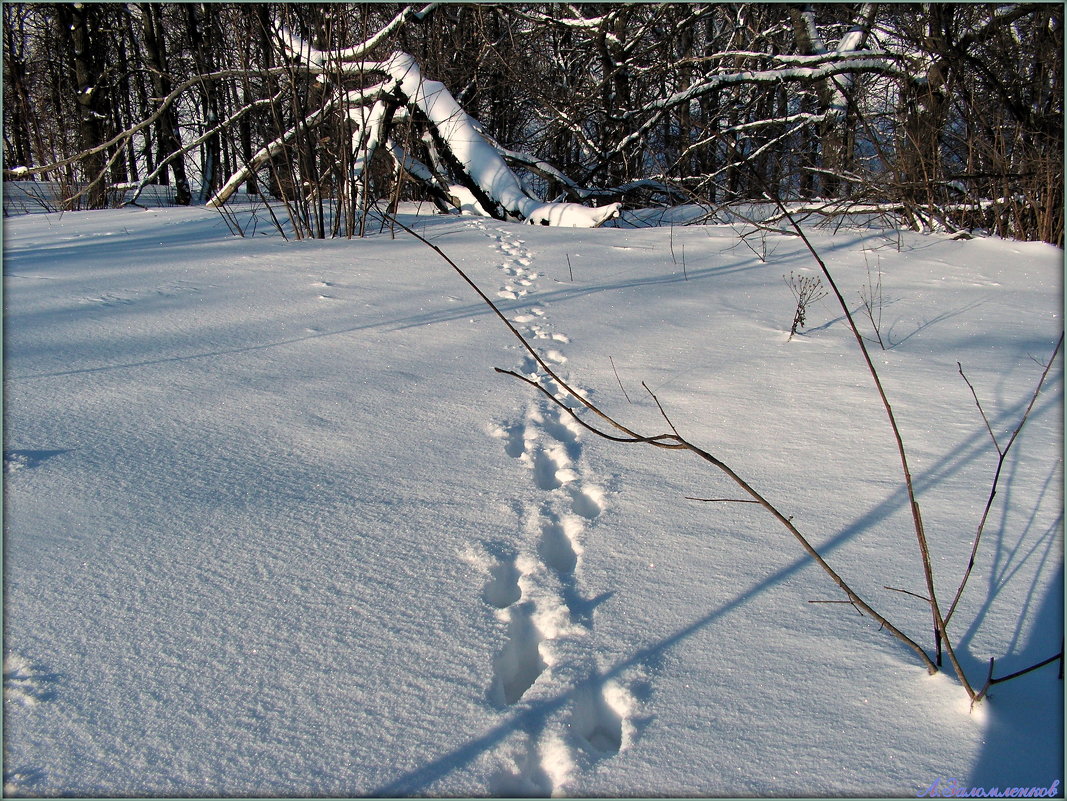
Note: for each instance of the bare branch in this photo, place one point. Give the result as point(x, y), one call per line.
point(198, 141)
point(849, 602)
point(617, 377)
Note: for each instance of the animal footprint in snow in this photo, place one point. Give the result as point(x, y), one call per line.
point(15, 460)
point(551, 467)
point(562, 427)
point(501, 562)
point(26, 682)
point(502, 589)
point(587, 502)
point(112, 299)
point(23, 783)
point(600, 716)
point(525, 777)
point(518, 436)
point(518, 665)
point(540, 769)
point(558, 547)
point(516, 441)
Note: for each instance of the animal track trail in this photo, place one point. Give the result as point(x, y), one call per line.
point(519, 663)
point(515, 261)
point(26, 684)
point(535, 586)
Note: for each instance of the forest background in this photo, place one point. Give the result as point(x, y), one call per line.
point(946, 116)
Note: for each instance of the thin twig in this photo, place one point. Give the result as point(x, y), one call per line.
point(990, 681)
point(847, 601)
point(661, 411)
point(1030, 669)
point(906, 592)
point(620, 381)
point(721, 500)
point(874, 300)
point(981, 411)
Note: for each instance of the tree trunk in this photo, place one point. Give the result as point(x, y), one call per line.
point(167, 126)
point(76, 23)
point(201, 29)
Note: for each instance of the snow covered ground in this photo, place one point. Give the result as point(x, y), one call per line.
point(275, 527)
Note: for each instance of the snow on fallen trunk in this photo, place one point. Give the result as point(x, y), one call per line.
point(478, 159)
point(478, 165)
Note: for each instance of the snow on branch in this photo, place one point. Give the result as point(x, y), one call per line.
point(278, 145)
point(788, 59)
point(316, 60)
point(858, 63)
point(140, 186)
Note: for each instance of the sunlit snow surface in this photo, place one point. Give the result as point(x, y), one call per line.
point(275, 527)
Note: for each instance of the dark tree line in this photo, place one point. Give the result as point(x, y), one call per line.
point(945, 114)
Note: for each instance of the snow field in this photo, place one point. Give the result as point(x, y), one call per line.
point(274, 527)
